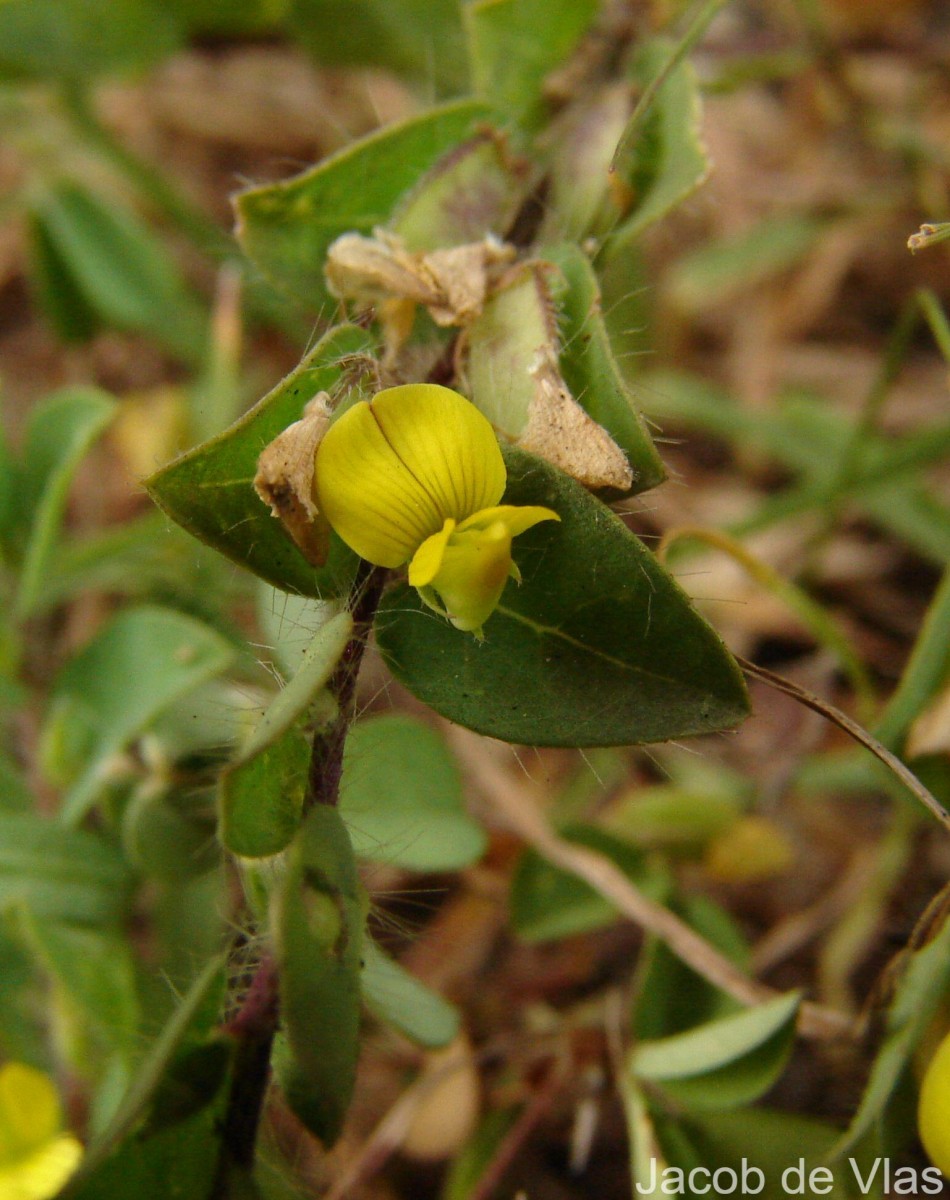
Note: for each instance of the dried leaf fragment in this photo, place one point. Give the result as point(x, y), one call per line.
point(284, 479)
point(448, 1103)
point(561, 432)
point(930, 733)
point(451, 283)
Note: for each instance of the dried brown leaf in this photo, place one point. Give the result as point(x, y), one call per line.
point(559, 431)
point(284, 479)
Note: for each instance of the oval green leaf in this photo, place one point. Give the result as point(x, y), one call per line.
point(164, 837)
point(261, 794)
point(515, 44)
point(62, 874)
point(400, 999)
point(260, 800)
point(922, 985)
point(59, 433)
point(118, 267)
point(725, 1063)
point(597, 647)
point(210, 490)
point(661, 157)
point(137, 666)
point(319, 944)
point(548, 902)
point(69, 39)
point(401, 797)
point(286, 228)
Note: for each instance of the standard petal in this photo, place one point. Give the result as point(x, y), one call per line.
point(447, 445)
point(372, 499)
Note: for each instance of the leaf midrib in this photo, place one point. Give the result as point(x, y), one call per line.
point(554, 631)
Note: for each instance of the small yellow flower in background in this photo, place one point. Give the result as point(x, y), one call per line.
point(36, 1157)
point(414, 476)
point(933, 1112)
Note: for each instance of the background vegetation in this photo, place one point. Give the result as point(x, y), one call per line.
point(792, 358)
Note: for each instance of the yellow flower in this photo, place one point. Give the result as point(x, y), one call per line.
point(36, 1158)
point(414, 476)
point(933, 1113)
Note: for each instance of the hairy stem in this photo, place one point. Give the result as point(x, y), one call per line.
point(255, 1025)
point(326, 757)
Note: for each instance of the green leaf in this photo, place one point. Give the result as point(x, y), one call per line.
point(401, 797)
point(590, 369)
point(476, 1156)
point(193, 1080)
point(164, 837)
point(785, 1147)
point(725, 1063)
point(503, 343)
point(204, 18)
point(10, 483)
point(673, 818)
point(60, 874)
point(15, 794)
point(661, 157)
point(671, 997)
point(101, 1164)
point(400, 999)
point(60, 297)
point(210, 490)
point(60, 431)
point(421, 39)
point(923, 983)
point(719, 271)
point(286, 228)
point(515, 44)
point(296, 696)
point(928, 668)
point(119, 268)
point(135, 667)
point(262, 792)
point(648, 1158)
point(548, 902)
point(190, 923)
point(260, 801)
point(597, 647)
point(475, 190)
point(288, 623)
point(24, 1036)
point(142, 557)
point(68, 39)
point(319, 943)
point(179, 1162)
point(95, 973)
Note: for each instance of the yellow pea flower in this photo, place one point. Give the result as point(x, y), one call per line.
point(36, 1157)
point(415, 476)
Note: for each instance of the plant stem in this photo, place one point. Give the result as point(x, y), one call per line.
point(253, 1029)
point(326, 757)
point(854, 730)
point(255, 1025)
